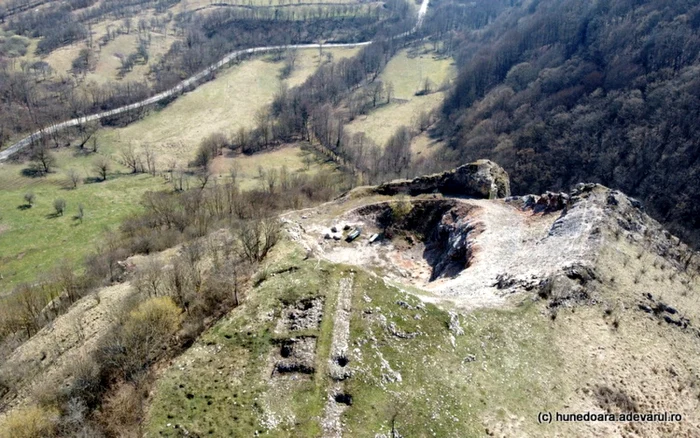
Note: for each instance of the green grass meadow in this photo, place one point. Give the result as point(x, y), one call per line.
point(35, 240)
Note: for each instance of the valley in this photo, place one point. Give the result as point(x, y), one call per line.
point(341, 218)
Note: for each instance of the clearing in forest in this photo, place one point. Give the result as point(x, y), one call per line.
point(408, 72)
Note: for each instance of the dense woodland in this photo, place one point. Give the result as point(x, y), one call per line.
point(560, 92)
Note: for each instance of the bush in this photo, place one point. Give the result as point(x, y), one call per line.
point(29, 198)
point(60, 206)
point(121, 411)
point(30, 422)
point(155, 316)
point(86, 385)
point(140, 339)
point(400, 209)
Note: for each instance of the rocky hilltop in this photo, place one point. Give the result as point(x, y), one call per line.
point(578, 300)
point(451, 310)
point(481, 179)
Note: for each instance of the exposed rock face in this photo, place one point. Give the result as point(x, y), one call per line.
point(480, 179)
point(443, 228)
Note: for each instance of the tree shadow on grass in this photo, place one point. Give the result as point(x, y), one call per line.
point(53, 215)
point(24, 207)
point(92, 180)
point(30, 172)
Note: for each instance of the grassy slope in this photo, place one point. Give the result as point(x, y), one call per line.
point(440, 394)
point(528, 357)
point(218, 106)
point(33, 241)
point(222, 387)
point(406, 71)
point(219, 387)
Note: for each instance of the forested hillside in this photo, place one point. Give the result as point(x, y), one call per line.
point(563, 91)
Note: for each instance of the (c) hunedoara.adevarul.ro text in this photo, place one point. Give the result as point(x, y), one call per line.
point(567, 417)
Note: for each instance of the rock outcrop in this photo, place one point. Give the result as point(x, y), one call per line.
point(480, 179)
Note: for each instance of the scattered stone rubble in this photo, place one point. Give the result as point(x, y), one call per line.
point(305, 314)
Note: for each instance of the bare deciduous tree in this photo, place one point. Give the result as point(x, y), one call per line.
point(102, 166)
point(270, 178)
point(42, 158)
point(131, 160)
point(81, 213)
point(257, 237)
point(389, 91)
point(234, 171)
point(150, 157)
point(203, 177)
point(74, 178)
point(149, 278)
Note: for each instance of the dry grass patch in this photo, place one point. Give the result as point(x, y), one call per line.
point(248, 167)
point(62, 58)
point(409, 69)
point(107, 66)
point(225, 104)
point(407, 72)
point(383, 122)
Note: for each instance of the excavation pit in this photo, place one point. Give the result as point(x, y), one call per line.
point(305, 314)
point(343, 398)
point(422, 240)
point(296, 355)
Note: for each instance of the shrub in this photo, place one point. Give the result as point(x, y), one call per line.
point(30, 422)
point(157, 315)
point(140, 339)
point(60, 206)
point(86, 385)
point(29, 198)
point(400, 209)
point(121, 411)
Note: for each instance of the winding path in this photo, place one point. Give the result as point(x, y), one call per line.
point(192, 81)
